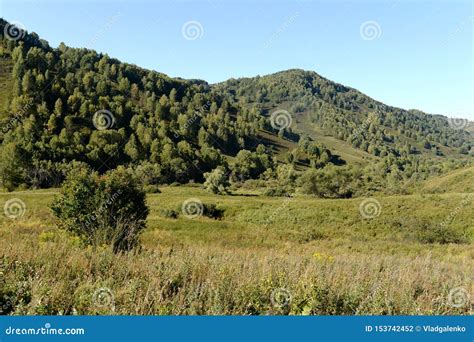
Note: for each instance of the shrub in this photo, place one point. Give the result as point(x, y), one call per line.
point(108, 209)
point(216, 181)
point(152, 189)
point(330, 182)
point(440, 234)
point(212, 211)
point(276, 192)
point(149, 173)
point(169, 213)
point(207, 210)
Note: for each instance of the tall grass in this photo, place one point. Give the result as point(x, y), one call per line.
point(237, 265)
point(57, 276)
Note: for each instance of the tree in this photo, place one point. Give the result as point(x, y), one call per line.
point(217, 181)
point(187, 127)
point(330, 182)
point(58, 107)
point(109, 209)
point(12, 166)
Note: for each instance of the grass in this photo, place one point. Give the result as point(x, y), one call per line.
point(338, 147)
point(266, 255)
point(461, 180)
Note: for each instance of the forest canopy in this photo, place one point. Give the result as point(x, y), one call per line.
point(66, 106)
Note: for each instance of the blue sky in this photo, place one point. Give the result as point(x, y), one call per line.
point(410, 54)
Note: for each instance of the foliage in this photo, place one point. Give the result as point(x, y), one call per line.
point(169, 130)
point(330, 182)
point(108, 209)
point(217, 181)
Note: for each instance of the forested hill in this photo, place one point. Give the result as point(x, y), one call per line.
point(64, 104)
point(350, 115)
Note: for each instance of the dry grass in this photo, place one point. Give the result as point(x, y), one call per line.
point(235, 265)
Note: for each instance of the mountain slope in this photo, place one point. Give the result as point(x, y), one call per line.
point(458, 181)
point(348, 115)
point(74, 105)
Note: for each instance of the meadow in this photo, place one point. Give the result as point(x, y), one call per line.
point(254, 255)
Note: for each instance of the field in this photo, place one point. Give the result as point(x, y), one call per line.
point(263, 255)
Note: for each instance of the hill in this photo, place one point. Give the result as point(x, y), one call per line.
point(263, 244)
point(64, 105)
point(457, 181)
point(347, 114)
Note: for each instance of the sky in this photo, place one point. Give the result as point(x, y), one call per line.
point(409, 54)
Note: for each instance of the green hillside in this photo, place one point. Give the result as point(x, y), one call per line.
point(66, 105)
point(457, 181)
point(188, 198)
point(348, 114)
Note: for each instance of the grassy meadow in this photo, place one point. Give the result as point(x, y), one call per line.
point(263, 255)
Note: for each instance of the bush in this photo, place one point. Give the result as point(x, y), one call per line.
point(216, 181)
point(441, 234)
point(108, 209)
point(276, 192)
point(149, 173)
point(152, 189)
point(330, 182)
point(212, 211)
point(169, 213)
point(207, 210)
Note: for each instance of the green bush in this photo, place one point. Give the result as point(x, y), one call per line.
point(208, 210)
point(152, 189)
point(169, 213)
point(217, 181)
point(276, 192)
point(109, 209)
point(212, 211)
point(330, 182)
point(440, 234)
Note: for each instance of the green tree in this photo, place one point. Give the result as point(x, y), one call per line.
point(109, 209)
point(13, 166)
point(217, 181)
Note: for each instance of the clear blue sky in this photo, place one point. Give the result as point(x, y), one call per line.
point(421, 57)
